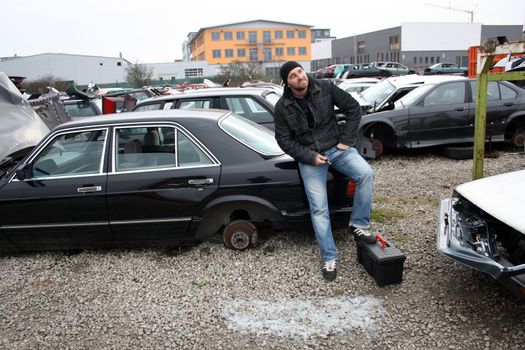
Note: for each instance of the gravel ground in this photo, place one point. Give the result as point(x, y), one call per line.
point(208, 297)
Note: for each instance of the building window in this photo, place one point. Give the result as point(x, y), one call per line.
point(420, 60)
point(302, 51)
point(361, 47)
point(254, 55)
point(216, 53)
point(215, 36)
point(394, 42)
point(252, 37)
point(228, 53)
point(437, 59)
point(426, 60)
point(240, 35)
point(228, 36)
point(432, 60)
point(290, 34)
point(267, 54)
point(278, 34)
point(415, 61)
point(192, 72)
point(302, 34)
point(279, 51)
point(241, 52)
point(267, 37)
point(290, 51)
point(327, 33)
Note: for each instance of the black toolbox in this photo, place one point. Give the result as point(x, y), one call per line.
point(381, 260)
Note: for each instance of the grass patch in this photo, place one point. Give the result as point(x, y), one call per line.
point(404, 239)
point(385, 216)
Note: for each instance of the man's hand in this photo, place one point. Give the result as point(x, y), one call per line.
point(342, 146)
point(320, 160)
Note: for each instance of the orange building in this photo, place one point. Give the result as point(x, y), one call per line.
point(253, 41)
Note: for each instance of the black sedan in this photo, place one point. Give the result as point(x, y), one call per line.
point(156, 178)
point(444, 114)
point(364, 70)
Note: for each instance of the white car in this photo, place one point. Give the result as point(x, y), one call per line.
point(357, 84)
point(483, 227)
point(381, 96)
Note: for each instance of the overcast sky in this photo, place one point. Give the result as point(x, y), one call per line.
point(153, 31)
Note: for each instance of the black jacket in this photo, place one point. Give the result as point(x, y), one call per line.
point(291, 126)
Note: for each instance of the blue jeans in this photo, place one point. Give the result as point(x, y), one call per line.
point(350, 163)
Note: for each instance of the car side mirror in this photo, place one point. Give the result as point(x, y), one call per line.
point(22, 173)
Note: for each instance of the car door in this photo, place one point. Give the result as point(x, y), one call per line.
point(441, 116)
point(502, 101)
point(160, 174)
point(57, 198)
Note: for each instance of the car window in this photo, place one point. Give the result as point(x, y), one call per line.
point(148, 107)
point(167, 105)
point(189, 104)
point(155, 148)
point(507, 92)
point(249, 108)
point(493, 93)
point(272, 98)
point(70, 154)
point(80, 109)
point(189, 154)
point(376, 94)
point(449, 93)
point(250, 134)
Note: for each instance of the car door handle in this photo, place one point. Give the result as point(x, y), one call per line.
point(508, 104)
point(459, 109)
point(89, 189)
point(206, 181)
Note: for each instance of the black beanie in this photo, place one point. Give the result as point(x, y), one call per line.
point(286, 68)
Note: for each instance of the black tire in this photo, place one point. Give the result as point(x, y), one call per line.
point(458, 152)
point(518, 138)
point(240, 235)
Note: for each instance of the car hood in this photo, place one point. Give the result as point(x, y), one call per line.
point(20, 126)
point(360, 99)
point(501, 196)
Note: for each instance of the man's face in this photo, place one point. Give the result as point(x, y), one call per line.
point(297, 79)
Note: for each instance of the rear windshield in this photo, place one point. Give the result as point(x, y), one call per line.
point(250, 134)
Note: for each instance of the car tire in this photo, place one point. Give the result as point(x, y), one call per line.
point(458, 152)
point(518, 138)
point(240, 235)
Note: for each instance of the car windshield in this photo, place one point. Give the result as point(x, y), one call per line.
point(272, 97)
point(412, 97)
point(252, 135)
point(376, 94)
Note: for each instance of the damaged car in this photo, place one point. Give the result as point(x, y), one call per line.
point(482, 226)
point(155, 178)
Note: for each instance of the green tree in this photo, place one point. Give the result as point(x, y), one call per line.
point(139, 74)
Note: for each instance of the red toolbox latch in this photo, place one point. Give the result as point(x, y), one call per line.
point(382, 240)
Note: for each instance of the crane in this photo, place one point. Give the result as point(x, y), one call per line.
point(471, 12)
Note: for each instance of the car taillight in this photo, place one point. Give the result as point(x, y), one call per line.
point(350, 188)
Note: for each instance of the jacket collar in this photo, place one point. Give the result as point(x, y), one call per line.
point(313, 87)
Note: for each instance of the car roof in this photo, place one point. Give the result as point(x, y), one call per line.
point(147, 116)
point(209, 92)
point(414, 79)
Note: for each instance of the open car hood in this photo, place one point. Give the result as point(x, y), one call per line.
point(501, 196)
point(20, 126)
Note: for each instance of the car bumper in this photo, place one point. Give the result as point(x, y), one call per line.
point(452, 242)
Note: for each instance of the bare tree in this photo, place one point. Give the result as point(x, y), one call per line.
point(40, 85)
point(139, 74)
point(240, 72)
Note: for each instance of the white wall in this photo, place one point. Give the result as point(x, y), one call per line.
point(81, 69)
point(322, 50)
point(439, 36)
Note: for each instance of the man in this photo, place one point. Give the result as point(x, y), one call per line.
point(306, 128)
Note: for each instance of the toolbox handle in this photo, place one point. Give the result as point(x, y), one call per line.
point(382, 241)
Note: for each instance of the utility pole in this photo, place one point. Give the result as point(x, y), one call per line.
point(471, 12)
